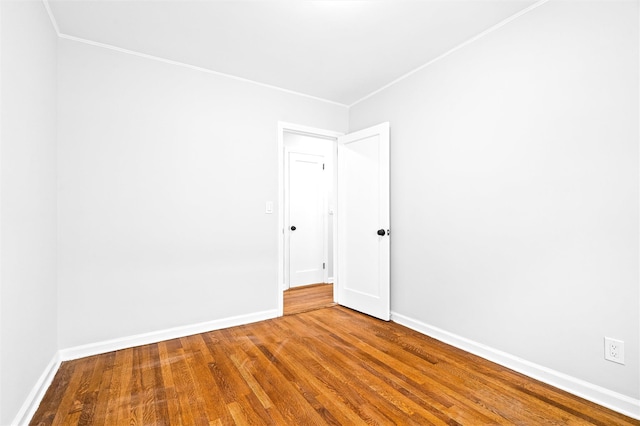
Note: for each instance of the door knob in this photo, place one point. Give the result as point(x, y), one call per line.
point(293, 228)
point(381, 232)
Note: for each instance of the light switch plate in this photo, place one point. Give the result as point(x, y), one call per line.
point(268, 207)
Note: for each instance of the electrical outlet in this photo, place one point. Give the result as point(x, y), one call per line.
point(614, 350)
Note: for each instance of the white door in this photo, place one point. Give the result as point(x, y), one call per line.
point(363, 247)
point(306, 199)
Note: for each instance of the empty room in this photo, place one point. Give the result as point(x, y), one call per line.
point(319, 212)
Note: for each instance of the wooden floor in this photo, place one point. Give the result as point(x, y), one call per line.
point(327, 366)
point(308, 298)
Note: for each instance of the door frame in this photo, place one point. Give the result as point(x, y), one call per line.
point(284, 127)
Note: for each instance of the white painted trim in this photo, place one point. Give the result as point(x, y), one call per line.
point(34, 398)
point(602, 396)
point(1, 144)
point(280, 229)
point(336, 209)
point(307, 130)
point(52, 18)
point(161, 335)
point(196, 68)
point(246, 80)
point(284, 127)
point(286, 238)
point(449, 52)
point(638, 99)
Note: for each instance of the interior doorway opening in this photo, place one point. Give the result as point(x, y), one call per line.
point(308, 210)
point(361, 212)
point(307, 200)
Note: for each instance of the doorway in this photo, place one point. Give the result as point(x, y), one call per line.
point(307, 158)
point(360, 228)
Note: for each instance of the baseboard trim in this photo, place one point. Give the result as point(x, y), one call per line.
point(613, 400)
point(34, 398)
point(158, 336)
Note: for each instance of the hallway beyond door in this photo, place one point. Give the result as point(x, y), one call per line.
point(308, 298)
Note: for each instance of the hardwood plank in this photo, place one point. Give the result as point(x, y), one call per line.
point(347, 380)
point(112, 392)
point(326, 366)
point(158, 388)
point(101, 382)
point(308, 298)
point(378, 351)
point(51, 402)
point(183, 381)
point(174, 415)
point(307, 368)
point(462, 388)
point(122, 403)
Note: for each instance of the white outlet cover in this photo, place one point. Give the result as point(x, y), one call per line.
point(614, 350)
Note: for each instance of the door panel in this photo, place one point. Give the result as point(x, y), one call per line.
point(363, 279)
point(306, 219)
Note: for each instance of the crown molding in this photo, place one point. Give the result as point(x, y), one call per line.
point(281, 89)
point(196, 68)
point(52, 18)
point(449, 52)
point(64, 36)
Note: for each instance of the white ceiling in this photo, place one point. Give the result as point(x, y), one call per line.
point(335, 50)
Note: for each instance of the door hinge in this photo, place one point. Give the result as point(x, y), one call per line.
point(323, 265)
point(322, 166)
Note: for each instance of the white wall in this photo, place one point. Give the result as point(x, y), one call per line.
point(27, 200)
point(514, 190)
point(163, 176)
